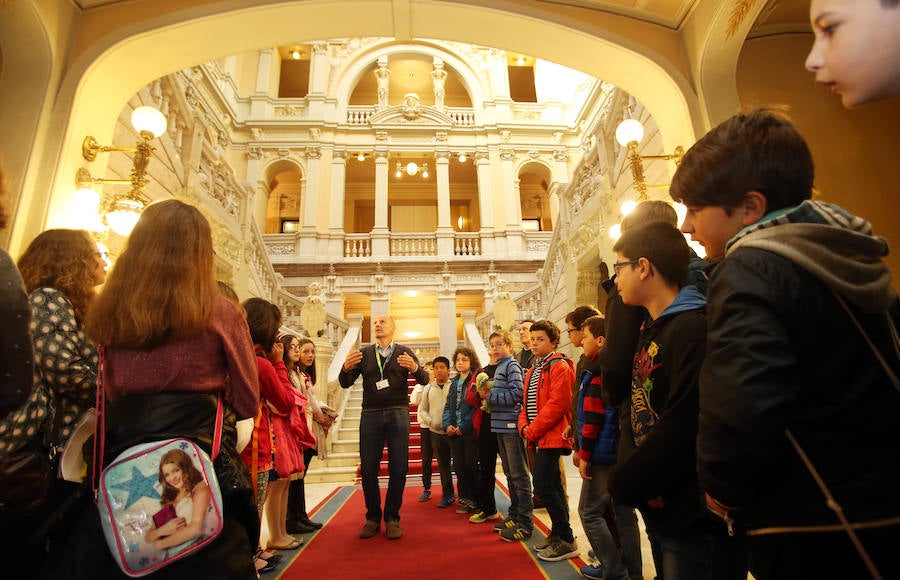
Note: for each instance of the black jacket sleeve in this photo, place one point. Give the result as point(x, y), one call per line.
point(623, 328)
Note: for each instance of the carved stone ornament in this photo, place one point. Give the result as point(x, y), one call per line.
point(381, 135)
point(411, 108)
point(313, 152)
point(315, 133)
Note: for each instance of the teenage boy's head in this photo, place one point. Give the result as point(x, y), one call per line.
point(857, 48)
point(500, 344)
point(650, 210)
point(574, 320)
point(593, 332)
point(441, 368)
point(649, 256)
point(544, 338)
point(749, 165)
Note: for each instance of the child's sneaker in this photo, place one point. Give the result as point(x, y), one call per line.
point(504, 524)
point(515, 534)
point(594, 572)
point(447, 501)
point(558, 549)
point(545, 543)
point(426, 495)
point(482, 517)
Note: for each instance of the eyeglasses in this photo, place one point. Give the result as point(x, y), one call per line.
point(569, 331)
point(619, 265)
point(295, 347)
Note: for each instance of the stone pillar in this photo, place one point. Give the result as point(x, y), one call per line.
point(318, 68)
point(310, 199)
point(380, 233)
point(336, 203)
point(511, 202)
point(444, 231)
point(485, 203)
point(447, 322)
point(264, 71)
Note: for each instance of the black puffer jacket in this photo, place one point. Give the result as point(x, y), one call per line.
point(783, 354)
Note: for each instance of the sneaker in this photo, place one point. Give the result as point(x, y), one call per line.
point(593, 572)
point(504, 524)
point(448, 501)
point(545, 543)
point(515, 534)
point(392, 530)
point(466, 506)
point(482, 517)
point(558, 550)
point(426, 495)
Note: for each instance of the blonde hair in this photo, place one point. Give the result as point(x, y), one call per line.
point(163, 287)
point(64, 260)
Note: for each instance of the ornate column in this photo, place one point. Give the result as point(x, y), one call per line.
point(511, 201)
point(310, 200)
point(379, 299)
point(586, 287)
point(318, 81)
point(485, 203)
point(336, 203)
point(380, 233)
point(258, 102)
point(444, 229)
point(447, 312)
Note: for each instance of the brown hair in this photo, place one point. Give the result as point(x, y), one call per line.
point(64, 260)
point(549, 328)
point(189, 471)
point(757, 151)
point(650, 210)
point(466, 351)
point(596, 324)
point(580, 314)
point(162, 288)
point(503, 335)
point(264, 320)
point(286, 342)
point(663, 245)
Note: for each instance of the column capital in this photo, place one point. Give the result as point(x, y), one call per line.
point(382, 155)
point(339, 156)
point(482, 157)
point(442, 156)
point(507, 154)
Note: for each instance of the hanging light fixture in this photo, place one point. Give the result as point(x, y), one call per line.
point(399, 172)
point(462, 157)
point(424, 171)
point(412, 168)
point(360, 157)
point(122, 211)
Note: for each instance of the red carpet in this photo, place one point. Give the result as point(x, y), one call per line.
point(436, 543)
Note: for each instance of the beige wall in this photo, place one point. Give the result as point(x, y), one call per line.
point(856, 152)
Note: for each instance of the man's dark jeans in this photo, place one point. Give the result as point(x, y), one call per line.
point(378, 427)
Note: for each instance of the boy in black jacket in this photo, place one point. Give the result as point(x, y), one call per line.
point(657, 465)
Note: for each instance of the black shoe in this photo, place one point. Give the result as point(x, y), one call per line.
point(300, 527)
point(310, 523)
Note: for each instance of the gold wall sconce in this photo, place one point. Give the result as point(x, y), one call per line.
point(629, 134)
point(122, 210)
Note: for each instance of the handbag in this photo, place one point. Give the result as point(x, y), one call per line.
point(144, 486)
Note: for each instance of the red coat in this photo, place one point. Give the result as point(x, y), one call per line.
point(554, 404)
point(281, 397)
point(474, 400)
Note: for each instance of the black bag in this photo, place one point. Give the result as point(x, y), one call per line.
point(26, 477)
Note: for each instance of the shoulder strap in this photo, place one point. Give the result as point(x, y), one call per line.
point(894, 338)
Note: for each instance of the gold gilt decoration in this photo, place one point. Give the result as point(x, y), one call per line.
point(738, 13)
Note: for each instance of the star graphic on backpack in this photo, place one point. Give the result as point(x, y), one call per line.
point(135, 488)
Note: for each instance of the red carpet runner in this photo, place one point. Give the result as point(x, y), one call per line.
point(436, 543)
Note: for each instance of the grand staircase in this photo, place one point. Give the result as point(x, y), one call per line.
point(342, 463)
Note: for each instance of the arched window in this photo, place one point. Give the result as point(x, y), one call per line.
point(283, 208)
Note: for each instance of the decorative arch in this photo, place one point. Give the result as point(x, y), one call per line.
point(351, 76)
point(102, 76)
point(285, 184)
point(534, 178)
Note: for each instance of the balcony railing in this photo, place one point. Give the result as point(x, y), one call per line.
point(466, 244)
point(357, 246)
point(424, 244)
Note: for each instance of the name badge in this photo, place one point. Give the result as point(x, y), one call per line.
point(382, 384)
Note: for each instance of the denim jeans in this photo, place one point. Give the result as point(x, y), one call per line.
point(378, 427)
point(486, 469)
point(436, 446)
point(518, 480)
point(630, 538)
point(465, 452)
point(712, 556)
point(592, 504)
point(549, 487)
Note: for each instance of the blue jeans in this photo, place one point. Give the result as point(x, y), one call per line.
point(378, 427)
point(518, 479)
point(693, 556)
point(592, 505)
point(549, 487)
point(630, 538)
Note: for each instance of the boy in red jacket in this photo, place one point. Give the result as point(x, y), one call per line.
point(544, 418)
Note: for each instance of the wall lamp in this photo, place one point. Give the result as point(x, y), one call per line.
point(122, 210)
point(629, 134)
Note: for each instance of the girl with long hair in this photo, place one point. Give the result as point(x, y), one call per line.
point(171, 339)
point(457, 421)
point(183, 488)
point(61, 269)
point(277, 456)
point(300, 360)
